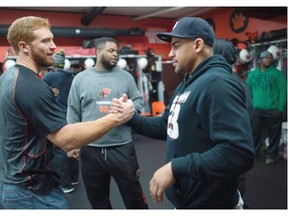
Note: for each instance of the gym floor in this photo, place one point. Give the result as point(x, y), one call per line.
point(266, 185)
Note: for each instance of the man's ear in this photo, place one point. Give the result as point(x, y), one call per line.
point(23, 46)
point(98, 51)
point(198, 45)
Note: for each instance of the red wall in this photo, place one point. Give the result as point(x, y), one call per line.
point(220, 16)
point(139, 43)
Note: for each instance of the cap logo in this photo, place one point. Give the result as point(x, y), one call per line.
point(175, 25)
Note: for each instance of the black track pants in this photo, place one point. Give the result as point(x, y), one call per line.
point(120, 162)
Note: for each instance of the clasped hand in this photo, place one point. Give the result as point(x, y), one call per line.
point(118, 105)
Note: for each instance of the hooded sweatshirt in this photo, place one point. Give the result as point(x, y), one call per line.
point(209, 137)
point(268, 89)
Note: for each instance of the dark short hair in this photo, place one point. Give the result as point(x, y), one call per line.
point(99, 42)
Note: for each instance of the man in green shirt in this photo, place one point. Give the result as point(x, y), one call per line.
point(268, 87)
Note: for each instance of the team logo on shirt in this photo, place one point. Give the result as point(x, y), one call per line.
point(105, 92)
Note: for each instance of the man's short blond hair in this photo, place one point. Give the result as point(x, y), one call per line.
point(22, 30)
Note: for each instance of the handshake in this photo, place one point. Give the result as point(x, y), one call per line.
point(123, 108)
point(121, 111)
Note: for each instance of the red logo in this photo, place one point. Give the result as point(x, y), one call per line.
point(105, 92)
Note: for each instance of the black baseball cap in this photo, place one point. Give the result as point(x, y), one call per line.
point(190, 27)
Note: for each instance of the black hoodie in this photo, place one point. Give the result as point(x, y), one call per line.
point(209, 137)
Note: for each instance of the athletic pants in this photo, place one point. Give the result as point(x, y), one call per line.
point(271, 121)
point(98, 165)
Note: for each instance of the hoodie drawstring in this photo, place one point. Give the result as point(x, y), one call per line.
point(104, 151)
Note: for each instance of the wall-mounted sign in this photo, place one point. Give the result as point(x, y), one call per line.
point(238, 22)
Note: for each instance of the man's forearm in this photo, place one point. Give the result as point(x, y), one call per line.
point(153, 127)
point(79, 134)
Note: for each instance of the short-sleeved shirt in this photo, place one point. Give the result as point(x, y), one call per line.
point(28, 114)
